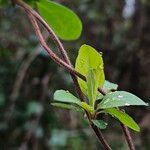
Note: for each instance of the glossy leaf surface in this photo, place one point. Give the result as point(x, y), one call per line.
point(120, 98)
point(65, 23)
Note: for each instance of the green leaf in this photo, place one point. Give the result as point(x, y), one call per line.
point(66, 106)
point(89, 58)
point(66, 97)
point(92, 85)
point(124, 118)
point(120, 98)
point(110, 86)
point(99, 96)
point(65, 23)
point(100, 124)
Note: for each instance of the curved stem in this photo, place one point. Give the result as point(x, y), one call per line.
point(97, 132)
point(59, 61)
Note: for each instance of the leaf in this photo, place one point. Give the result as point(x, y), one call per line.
point(66, 106)
point(65, 23)
point(120, 98)
point(110, 86)
point(100, 124)
point(92, 86)
point(66, 97)
point(124, 118)
point(99, 96)
point(89, 58)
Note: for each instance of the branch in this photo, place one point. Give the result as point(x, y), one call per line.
point(18, 82)
point(35, 122)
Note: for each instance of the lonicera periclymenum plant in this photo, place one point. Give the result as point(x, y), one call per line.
point(89, 64)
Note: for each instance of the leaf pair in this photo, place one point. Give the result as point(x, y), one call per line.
point(66, 100)
point(90, 63)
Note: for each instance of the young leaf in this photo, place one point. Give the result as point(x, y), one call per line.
point(66, 97)
point(86, 107)
point(92, 85)
point(110, 86)
point(65, 23)
point(89, 58)
point(100, 124)
point(123, 117)
point(99, 96)
point(120, 98)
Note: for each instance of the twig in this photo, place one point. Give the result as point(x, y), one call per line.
point(100, 137)
point(128, 136)
point(18, 82)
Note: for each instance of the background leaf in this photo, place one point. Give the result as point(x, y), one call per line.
point(120, 98)
point(124, 118)
point(34, 108)
point(110, 86)
point(100, 124)
point(65, 23)
point(89, 58)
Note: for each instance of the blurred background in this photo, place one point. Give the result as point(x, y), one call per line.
point(28, 77)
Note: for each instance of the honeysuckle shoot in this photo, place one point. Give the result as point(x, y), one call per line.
point(90, 64)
